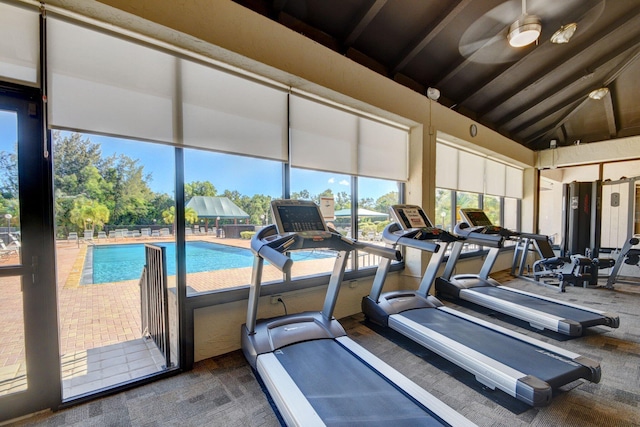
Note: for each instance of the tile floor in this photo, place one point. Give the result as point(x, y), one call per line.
point(87, 371)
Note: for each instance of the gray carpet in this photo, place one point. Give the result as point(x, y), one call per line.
point(222, 391)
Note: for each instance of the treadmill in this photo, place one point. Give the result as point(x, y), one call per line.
point(522, 367)
point(540, 312)
point(314, 373)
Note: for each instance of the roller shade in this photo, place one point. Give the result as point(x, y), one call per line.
point(226, 112)
point(514, 183)
point(382, 151)
point(495, 178)
point(446, 167)
point(19, 43)
point(323, 137)
point(470, 172)
point(104, 84)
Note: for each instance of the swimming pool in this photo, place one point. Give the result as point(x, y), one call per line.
point(115, 263)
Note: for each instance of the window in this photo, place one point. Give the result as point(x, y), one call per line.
point(332, 191)
point(476, 181)
point(375, 196)
point(491, 205)
point(227, 198)
point(444, 209)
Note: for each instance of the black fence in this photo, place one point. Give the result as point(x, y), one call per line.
point(154, 299)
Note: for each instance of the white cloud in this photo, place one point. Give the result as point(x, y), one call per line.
point(332, 180)
point(344, 182)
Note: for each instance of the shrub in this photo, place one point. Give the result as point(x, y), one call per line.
point(247, 234)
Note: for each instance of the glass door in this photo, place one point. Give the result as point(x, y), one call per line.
point(29, 369)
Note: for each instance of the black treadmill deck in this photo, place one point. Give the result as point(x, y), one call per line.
point(344, 390)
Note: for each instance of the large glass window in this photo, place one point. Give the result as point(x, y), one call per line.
point(444, 208)
point(332, 191)
point(491, 206)
point(227, 198)
point(375, 197)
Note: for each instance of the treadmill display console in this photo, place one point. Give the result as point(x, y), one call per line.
point(476, 217)
point(302, 217)
point(410, 216)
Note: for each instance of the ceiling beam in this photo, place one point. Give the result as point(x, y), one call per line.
point(566, 85)
point(430, 33)
point(630, 59)
point(362, 22)
point(610, 115)
point(279, 5)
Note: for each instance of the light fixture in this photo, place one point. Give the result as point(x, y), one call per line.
point(599, 93)
point(525, 30)
point(564, 34)
point(433, 93)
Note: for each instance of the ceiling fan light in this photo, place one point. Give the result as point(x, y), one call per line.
point(564, 34)
point(524, 31)
point(599, 93)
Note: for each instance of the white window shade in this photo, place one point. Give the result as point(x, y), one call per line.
point(19, 43)
point(229, 113)
point(470, 172)
point(446, 167)
point(382, 151)
point(495, 178)
point(104, 84)
point(323, 137)
point(514, 183)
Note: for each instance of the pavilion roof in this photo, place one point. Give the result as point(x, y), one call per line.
point(214, 207)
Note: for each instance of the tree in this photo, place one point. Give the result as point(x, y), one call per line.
point(9, 174)
point(384, 202)
point(199, 188)
point(72, 154)
point(88, 213)
point(301, 195)
point(169, 215)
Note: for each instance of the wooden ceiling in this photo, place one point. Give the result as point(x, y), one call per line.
point(532, 94)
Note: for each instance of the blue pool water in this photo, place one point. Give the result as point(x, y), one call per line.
point(115, 263)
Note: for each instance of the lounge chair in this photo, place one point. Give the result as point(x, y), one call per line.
point(145, 232)
point(7, 251)
point(112, 234)
point(73, 236)
point(88, 234)
point(102, 235)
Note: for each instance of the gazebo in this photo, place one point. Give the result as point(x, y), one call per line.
point(210, 207)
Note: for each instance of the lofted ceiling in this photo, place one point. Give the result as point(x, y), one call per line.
point(532, 94)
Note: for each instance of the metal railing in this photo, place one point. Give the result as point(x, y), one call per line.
point(154, 306)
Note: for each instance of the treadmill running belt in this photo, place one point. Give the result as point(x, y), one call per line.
point(345, 391)
point(560, 310)
point(522, 356)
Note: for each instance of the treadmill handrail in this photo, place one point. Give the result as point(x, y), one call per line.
point(414, 238)
point(476, 235)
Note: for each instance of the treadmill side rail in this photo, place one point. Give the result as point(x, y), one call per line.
point(487, 371)
point(536, 318)
point(613, 320)
point(291, 402)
